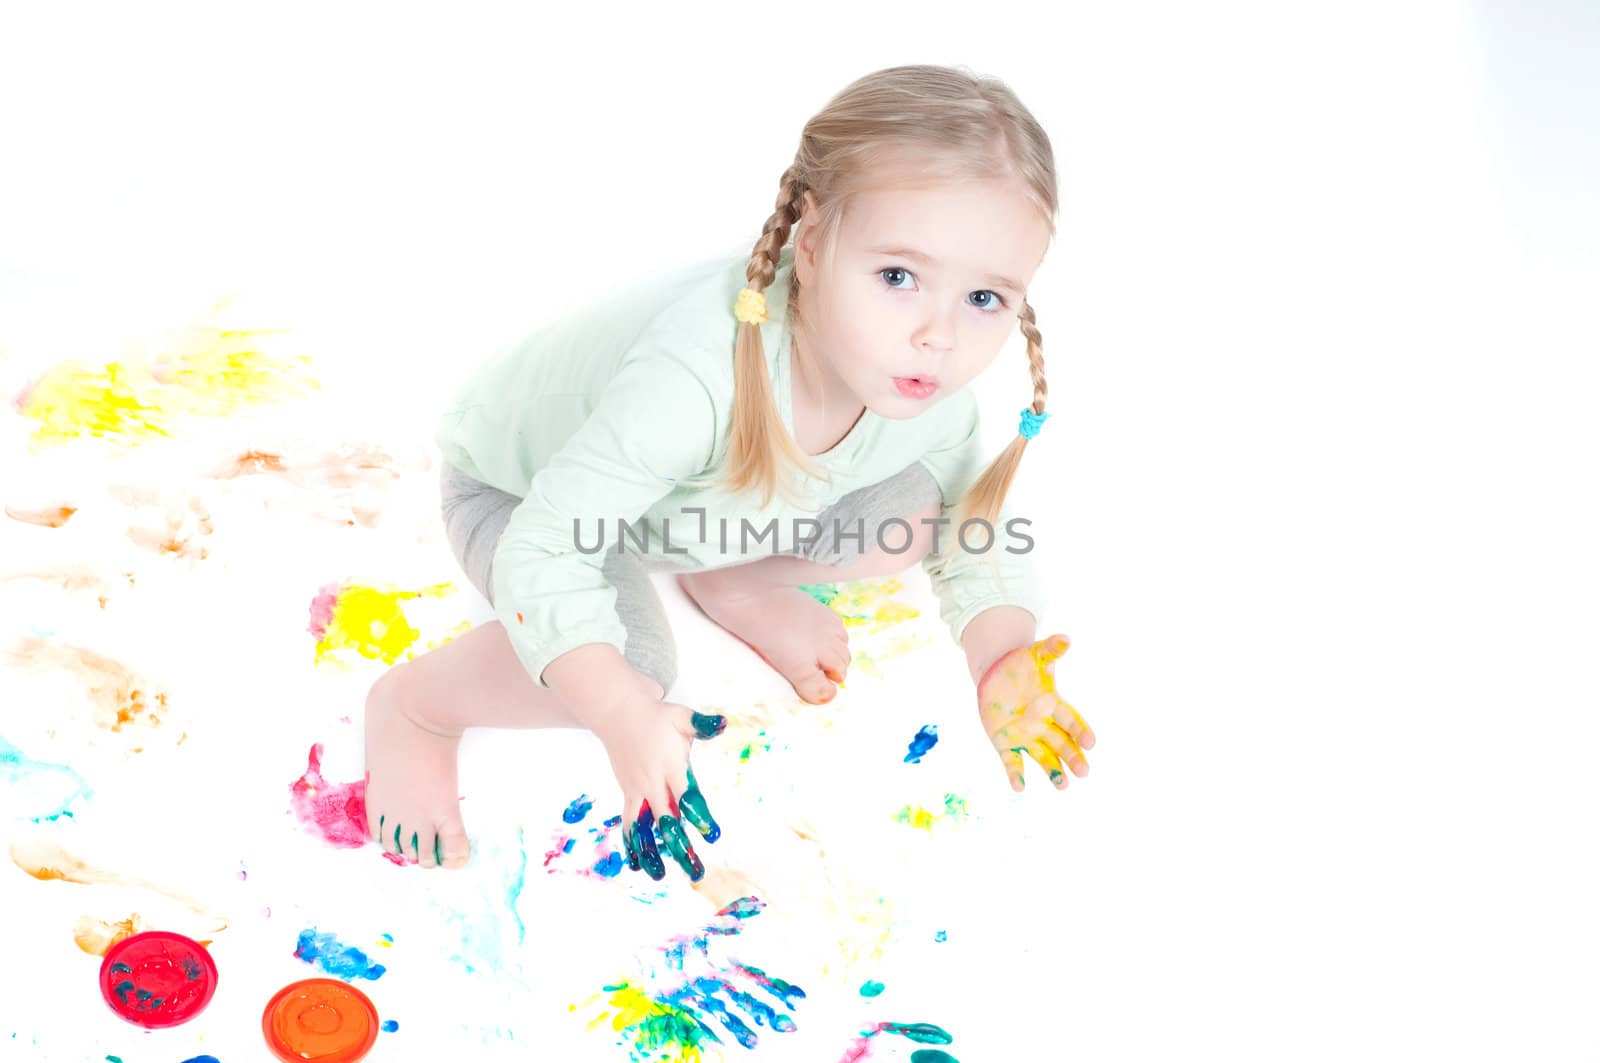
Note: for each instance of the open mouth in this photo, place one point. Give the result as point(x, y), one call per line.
point(916, 387)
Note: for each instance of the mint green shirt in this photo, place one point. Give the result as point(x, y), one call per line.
point(594, 418)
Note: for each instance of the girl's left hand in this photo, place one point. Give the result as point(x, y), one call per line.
point(1020, 709)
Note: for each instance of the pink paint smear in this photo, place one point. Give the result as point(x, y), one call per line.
point(336, 811)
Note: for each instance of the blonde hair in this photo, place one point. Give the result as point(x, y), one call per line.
point(941, 124)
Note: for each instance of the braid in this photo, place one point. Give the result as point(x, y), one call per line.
point(758, 443)
point(1029, 330)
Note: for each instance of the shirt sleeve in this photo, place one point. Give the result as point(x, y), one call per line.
point(967, 580)
point(654, 423)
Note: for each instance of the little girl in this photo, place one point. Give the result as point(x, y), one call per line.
point(841, 433)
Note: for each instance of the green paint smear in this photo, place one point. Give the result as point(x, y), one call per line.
point(924, 1032)
point(822, 592)
point(871, 989)
point(932, 1055)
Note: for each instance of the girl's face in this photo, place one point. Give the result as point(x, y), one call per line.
point(923, 290)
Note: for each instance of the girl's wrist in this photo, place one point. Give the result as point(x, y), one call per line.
point(992, 634)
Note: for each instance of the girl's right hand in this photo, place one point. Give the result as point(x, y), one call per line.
point(648, 741)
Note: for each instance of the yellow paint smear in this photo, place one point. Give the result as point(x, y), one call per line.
point(370, 621)
point(200, 370)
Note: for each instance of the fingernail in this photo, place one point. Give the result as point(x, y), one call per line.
point(709, 726)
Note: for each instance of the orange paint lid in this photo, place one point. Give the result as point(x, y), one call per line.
point(320, 1020)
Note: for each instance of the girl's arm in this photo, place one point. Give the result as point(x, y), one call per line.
point(653, 424)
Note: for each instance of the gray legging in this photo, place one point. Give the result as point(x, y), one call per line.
point(475, 514)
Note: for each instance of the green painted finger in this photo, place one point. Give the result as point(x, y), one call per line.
point(677, 844)
point(692, 805)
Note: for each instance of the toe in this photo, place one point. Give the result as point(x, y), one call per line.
point(834, 661)
point(453, 846)
point(428, 849)
point(814, 687)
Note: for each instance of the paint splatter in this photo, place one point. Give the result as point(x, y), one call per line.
point(203, 370)
point(869, 604)
point(919, 818)
point(676, 1022)
point(345, 487)
point(46, 861)
point(941, 937)
point(77, 579)
point(50, 517)
point(871, 989)
point(95, 936)
point(119, 698)
point(602, 852)
point(38, 790)
point(341, 961)
point(654, 1030)
point(202, 1059)
point(866, 661)
point(368, 620)
point(519, 880)
point(390, 1026)
point(921, 1032)
point(932, 1055)
point(336, 811)
point(579, 808)
point(753, 747)
point(178, 535)
point(925, 740)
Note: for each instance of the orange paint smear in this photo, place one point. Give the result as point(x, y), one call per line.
point(44, 518)
point(119, 697)
point(96, 936)
point(47, 862)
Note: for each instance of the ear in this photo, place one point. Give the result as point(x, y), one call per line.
point(805, 239)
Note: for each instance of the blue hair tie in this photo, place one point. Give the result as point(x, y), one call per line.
point(1031, 422)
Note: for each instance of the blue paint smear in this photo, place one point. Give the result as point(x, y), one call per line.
point(203, 1059)
point(743, 908)
point(940, 936)
point(610, 865)
point(925, 740)
point(49, 781)
point(390, 1026)
point(341, 961)
point(578, 809)
point(614, 821)
point(515, 890)
point(567, 848)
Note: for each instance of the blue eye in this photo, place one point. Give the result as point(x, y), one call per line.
point(989, 306)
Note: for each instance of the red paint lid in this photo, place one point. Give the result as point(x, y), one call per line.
point(157, 978)
point(320, 1020)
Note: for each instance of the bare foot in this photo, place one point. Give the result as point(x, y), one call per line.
point(792, 631)
point(413, 807)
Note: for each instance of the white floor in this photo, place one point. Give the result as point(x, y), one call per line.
point(1315, 506)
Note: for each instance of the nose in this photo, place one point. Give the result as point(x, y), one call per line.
point(937, 332)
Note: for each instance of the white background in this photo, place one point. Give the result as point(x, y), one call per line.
point(1316, 503)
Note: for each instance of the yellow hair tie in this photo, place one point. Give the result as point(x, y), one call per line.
point(751, 307)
